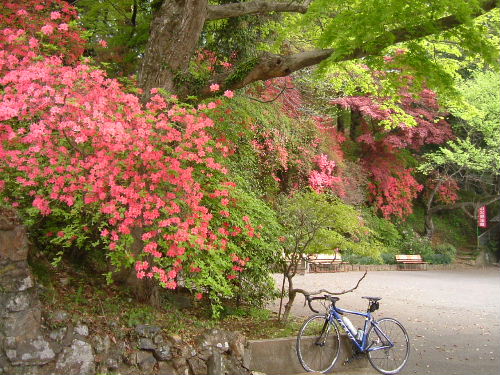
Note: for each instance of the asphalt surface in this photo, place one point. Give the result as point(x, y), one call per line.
point(452, 317)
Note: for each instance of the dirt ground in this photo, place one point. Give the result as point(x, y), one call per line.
point(452, 317)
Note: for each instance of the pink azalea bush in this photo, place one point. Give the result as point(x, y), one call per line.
point(74, 141)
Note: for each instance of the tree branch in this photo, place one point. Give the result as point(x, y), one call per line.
point(463, 205)
point(306, 293)
point(217, 12)
point(270, 65)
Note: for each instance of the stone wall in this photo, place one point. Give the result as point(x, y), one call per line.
point(32, 344)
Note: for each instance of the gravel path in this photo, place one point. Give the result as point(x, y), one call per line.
point(452, 317)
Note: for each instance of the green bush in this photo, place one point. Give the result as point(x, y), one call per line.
point(360, 259)
point(438, 258)
point(413, 243)
point(446, 249)
point(388, 258)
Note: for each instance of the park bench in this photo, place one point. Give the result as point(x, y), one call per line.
point(411, 262)
point(324, 262)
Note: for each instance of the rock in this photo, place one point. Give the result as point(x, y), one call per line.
point(59, 316)
point(215, 338)
point(158, 339)
point(58, 334)
point(175, 339)
point(14, 244)
point(146, 344)
point(112, 363)
point(237, 343)
point(78, 359)
point(145, 361)
point(234, 366)
point(165, 368)
point(68, 338)
point(180, 364)
point(30, 352)
point(147, 331)
point(15, 277)
point(197, 366)
point(22, 324)
point(163, 353)
point(101, 344)
point(82, 330)
point(214, 364)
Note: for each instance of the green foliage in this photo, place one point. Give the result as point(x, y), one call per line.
point(413, 243)
point(477, 149)
point(139, 315)
point(445, 253)
point(383, 230)
point(123, 24)
point(360, 259)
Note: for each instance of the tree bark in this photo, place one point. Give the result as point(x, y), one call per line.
point(217, 12)
point(291, 298)
point(175, 31)
point(177, 26)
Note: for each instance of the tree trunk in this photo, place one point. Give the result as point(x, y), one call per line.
point(143, 290)
point(291, 298)
point(174, 36)
point(428, 225)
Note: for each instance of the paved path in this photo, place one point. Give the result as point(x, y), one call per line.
point(452, 317)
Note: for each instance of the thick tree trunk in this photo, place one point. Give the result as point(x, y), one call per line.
point(175, 32)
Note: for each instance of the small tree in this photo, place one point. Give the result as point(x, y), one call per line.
point(306, 217)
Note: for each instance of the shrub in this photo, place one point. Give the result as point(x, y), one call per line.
point(446, 249)
point(360, 259)
point(388, 258)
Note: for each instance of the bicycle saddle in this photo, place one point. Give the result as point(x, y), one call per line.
point(375, 299)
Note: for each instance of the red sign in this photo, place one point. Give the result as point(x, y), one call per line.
point(482, 217)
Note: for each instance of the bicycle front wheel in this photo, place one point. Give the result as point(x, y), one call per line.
point(318, 344)
point(388, 346)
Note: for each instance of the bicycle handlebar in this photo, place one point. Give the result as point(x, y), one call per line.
point(325, 297)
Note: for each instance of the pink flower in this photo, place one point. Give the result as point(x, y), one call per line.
point(228, 94)
point(22, 12)
point(60, 234)
point(63, 27)
point(103, 43)
point(55, 15)
point(211, 105)
point(214, 87)
point(47, 29)
point(199, 296)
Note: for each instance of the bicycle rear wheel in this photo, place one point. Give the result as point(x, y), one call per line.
point(386, 358)
point(318, 344)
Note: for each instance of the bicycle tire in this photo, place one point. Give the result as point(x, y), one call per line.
point(318, 344)
point(397, 354)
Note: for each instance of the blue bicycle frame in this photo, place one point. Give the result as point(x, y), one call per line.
point(335, 313)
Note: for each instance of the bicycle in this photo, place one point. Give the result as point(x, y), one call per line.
point(385, 341)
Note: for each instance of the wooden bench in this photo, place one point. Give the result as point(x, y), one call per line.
point(411, 262)
point(324, 262)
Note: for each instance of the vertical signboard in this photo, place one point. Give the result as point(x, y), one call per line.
point(482, 217)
